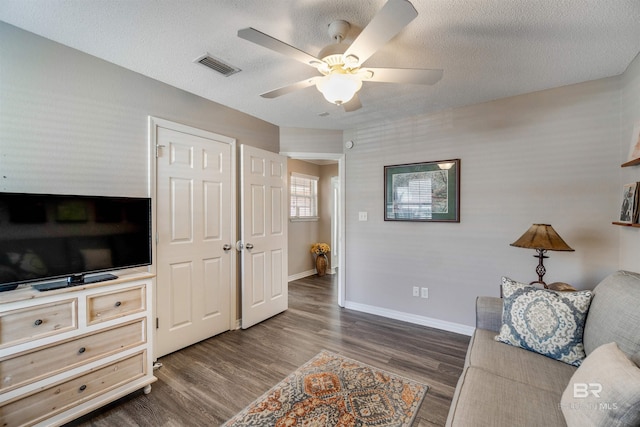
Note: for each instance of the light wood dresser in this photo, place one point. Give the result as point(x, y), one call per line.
point(67, 352)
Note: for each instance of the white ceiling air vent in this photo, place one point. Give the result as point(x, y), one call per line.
point(217, 65)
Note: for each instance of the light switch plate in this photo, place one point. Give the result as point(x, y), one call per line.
point(362, 216)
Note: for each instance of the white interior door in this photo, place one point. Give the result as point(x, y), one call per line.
point(195, 211)
point(263, 230)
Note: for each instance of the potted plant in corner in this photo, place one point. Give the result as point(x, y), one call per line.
point(320, 250)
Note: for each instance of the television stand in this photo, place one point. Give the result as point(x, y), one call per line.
point(74, 350)
point(74, 280)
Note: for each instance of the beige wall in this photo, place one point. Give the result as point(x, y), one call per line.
point(72, 123)
point(630, 114)
point(549, 157)
point(326, 203)
point(302, 233)
point(296, 140)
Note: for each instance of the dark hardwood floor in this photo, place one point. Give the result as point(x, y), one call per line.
point(207, 383)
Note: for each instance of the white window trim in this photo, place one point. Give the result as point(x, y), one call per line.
point(303, 218)
point(315, 198)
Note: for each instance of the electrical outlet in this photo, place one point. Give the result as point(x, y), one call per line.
point(425, 293)
point(416, 291)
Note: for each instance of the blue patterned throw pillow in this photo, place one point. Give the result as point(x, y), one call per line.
point(547, 322)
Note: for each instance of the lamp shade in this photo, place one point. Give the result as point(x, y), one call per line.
point(339, 88)
point(542, 236)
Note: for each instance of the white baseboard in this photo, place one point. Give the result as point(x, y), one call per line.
point(307, 274)
point(301, 275)
point(412, 318)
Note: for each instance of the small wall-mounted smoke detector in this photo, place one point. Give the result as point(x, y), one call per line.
point(217, 65)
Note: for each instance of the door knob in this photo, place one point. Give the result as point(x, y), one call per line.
point(248, 246)
point(226, 247)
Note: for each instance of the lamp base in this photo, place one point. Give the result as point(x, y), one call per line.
point(541, 282)
point(540, 268)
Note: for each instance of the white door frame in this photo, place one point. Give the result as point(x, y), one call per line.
point(154, 123)
point(341, 232)
point(335, 222)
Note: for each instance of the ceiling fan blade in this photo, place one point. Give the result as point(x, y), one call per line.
point(388, 22)
point(353, 105)
point(405, 75)
point(290, 88)
point(265, 40)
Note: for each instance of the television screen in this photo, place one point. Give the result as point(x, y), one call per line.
point(44, 236)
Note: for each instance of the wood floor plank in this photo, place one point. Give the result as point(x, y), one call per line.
point(209, 382)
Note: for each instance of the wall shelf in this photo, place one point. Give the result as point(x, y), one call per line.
point(625, 224)
point(633, 162)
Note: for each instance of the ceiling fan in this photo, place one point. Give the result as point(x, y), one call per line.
point(340, 64)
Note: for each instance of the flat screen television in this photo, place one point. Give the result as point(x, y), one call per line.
point(45, 237)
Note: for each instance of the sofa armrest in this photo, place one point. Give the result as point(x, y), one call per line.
point(489, 313)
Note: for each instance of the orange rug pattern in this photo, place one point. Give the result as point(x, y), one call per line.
point(332, 390)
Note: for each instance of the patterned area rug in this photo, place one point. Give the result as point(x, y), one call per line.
point(332, 390)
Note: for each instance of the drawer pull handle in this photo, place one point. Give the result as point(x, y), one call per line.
point(38, 322)
point(118, 304)
point(81, 350)
point(83, 387)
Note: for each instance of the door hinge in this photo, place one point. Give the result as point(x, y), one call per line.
point(157, 323)
point(158, 149)
point(157, 237)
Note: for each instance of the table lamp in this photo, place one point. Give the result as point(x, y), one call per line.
point(542, 238)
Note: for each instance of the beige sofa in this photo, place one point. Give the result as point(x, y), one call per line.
point(503, 385)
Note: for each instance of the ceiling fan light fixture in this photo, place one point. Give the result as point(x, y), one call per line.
point(339, 88)
point(332, 54)
point(351, 61)
point(364, 74)
point(339, 63)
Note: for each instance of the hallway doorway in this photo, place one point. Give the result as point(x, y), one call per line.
point(335, 236)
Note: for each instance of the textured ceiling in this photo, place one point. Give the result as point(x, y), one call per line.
point(488, 49)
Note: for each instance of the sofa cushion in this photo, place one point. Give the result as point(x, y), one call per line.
point(516, 363)
point(544, 321)
point(604, 391)
point(486, 399)
point(489, 313)
point(614, 314)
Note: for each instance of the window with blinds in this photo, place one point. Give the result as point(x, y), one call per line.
point(304, 197)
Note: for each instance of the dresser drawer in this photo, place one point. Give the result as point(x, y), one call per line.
point(37, 321)
point(111, 305)
point(26, 368)
point(60, 397)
